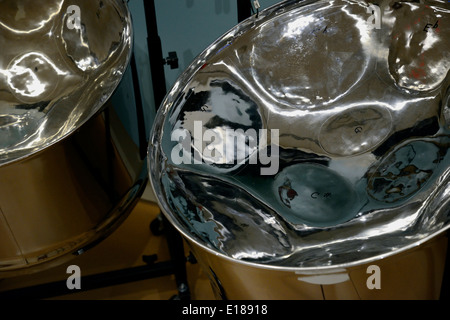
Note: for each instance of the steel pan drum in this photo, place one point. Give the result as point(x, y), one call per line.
point(70, 163)
point(305, 152)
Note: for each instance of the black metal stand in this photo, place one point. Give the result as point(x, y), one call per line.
point(176, 250)
point(244, 9)
point(157, 60)
point(152, 269)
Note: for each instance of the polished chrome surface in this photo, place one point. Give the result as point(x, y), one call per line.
point(60, 61)
point(73, 138)
point(59, 202)
point(415, 274)
point(352, 100)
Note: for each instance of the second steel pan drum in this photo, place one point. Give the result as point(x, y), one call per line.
point(304, 154)
point(71, 160)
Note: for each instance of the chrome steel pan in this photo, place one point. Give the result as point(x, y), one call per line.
point(71, 166)
point(312, 136)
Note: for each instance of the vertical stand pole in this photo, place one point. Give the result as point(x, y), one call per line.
point(157, 62)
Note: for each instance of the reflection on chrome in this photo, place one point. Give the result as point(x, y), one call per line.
point(28, 16)
point(362, 114)
point(47, 68)
point(26, 73)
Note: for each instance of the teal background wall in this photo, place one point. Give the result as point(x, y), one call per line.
point(190, 26)
point(184, 26)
